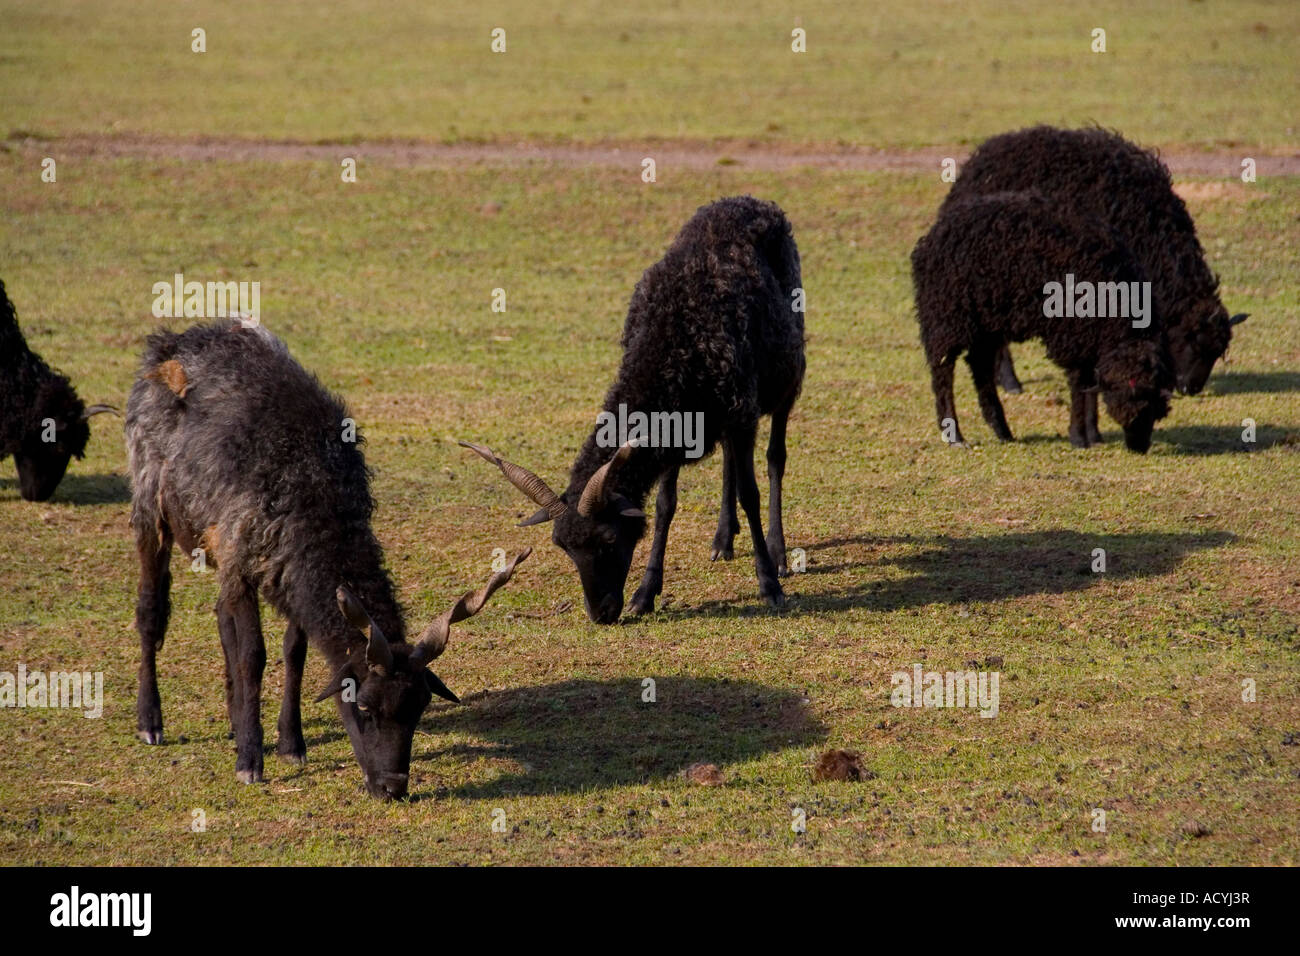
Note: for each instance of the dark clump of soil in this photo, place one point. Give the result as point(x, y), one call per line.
point(841, 765)
point(705, 775)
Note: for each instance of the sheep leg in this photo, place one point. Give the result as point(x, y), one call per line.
point(643, 601)
point(775, 476)
point(239, 601)
point(741, 446)
point(230, 652)
point(982, 362)
point(152, 610)
point(290, 744)
point(1090, 417)
point(1078, 410)
point(944, 405)
point(728, 524)
point(1007, 372)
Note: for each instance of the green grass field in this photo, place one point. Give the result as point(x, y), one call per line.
point(896, 73)
point(1120, 691)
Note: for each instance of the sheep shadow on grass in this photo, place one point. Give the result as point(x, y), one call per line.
point(1192, 440)
point(942, 569)
point(1220, 439)
point(83, 489)
point(1244, 383)
point(578, 735)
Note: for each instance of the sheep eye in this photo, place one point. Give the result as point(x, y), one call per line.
point(363, 708)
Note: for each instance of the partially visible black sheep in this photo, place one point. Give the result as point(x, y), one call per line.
point(33, 395)
point(980, 275)
point(1096, 173)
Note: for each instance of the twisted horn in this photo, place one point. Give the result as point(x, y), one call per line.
point(379, 656)
point(594, 494)
point(434, 639)
point(98, 410)
point(523, 479)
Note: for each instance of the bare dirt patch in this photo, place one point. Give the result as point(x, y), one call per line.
point(668, 155)
point(1237, 192)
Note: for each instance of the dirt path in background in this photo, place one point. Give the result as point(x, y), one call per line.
point(668, 155)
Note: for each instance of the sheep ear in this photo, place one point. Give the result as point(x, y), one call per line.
point(1239, 318)
point(627, 509)
point(540, 516)
point(336, 683)
point(436, 686)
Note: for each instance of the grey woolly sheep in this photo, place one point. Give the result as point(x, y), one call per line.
point(240, 456)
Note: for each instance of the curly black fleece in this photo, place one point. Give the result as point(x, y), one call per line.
point(709, 329)
point(979, 276)
point(1096, 173)
point(32, 392)
point(255, 450)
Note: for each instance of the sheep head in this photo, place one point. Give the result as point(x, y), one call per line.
point(1136, 382)
point(1199, 341)
point(385, 686)
point(59, 433)
point(597, 527)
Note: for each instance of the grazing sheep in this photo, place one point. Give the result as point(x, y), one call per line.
point(43, 423)
point(982, 274)
point(714, 329)
point(241, 457)
point(1096, 173)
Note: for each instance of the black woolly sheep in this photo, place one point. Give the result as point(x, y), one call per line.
point(43, 423)
point(982, 276)
point(239, 455)
point(715, 329)
point(1097, 173)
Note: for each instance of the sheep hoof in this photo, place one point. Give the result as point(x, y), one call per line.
point(150, 736)
point(641, 604)
point(1078, 441)
point(958, 444)
point(775, 598)
point(249, 776)
point(726, 554)
point(1012, 389)
point(294, 752)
